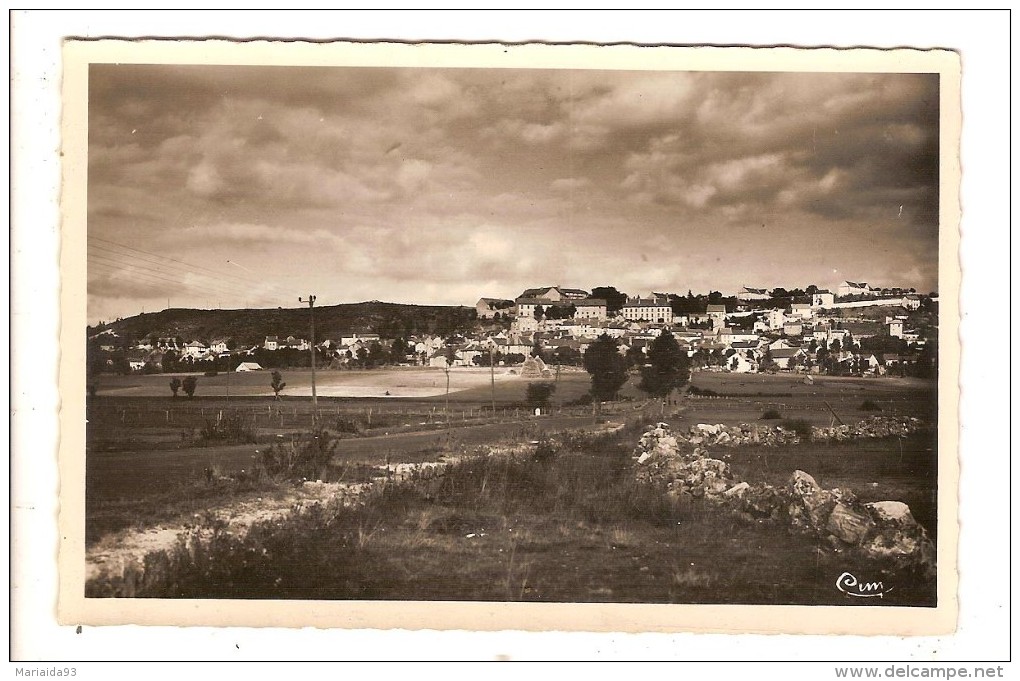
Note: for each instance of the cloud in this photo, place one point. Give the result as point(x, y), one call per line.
point(399, 183)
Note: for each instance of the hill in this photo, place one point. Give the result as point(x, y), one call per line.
point(251, 326)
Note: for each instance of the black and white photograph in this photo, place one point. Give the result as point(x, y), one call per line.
point(474, 324)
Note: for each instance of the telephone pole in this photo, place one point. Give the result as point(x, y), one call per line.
point(492, 379)
point(315, 400)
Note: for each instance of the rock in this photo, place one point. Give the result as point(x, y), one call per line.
point(898, 536)
point(738, 490)
point(707, 429)
point(811, 505)
point(892, 512)
point(849, 525)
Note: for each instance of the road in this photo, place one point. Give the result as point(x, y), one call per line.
point(125, 474)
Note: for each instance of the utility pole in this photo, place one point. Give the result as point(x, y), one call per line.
point(492, 378)
point(315, 399)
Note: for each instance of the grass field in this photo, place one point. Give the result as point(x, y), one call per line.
point(575, 529)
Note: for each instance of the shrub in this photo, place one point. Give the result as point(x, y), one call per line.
point(869, 405)
point(799, 426)
point(189, 385)
point(538, 394)
point(701, 392)
point(230, 428)
point(299, 459)
point(770, 415)
point(347, 424)
point(583, 401)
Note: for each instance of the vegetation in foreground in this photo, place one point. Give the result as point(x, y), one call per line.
point(564, 523)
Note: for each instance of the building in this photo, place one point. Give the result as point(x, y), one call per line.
point(717, 315)
point(554, 293)
point(248, 366)
point(654, 309)
point(488, 308)
point(271, 343)
point(853, 288)
point(752, 294)
point(895, 328)
point(802, 310)
point(591, 308)
point(822, 299)
point(194, 349)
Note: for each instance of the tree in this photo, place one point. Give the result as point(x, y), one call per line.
point(189, 385)
point(539, 311)
point(607, 367)
point(277, 384)
point(667, 369)
point(399, 350)
point(767, 362)
point(536, 350)
point(615, 300)
point(538, 394)
point(175, 385)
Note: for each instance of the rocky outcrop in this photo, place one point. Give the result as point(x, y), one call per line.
point(884, 530)
point(708, 434)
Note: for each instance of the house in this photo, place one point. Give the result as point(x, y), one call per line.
point(195, 349)
point(218, 346)
point(784, 344)
point(776, 318)
point(895, 328)
point(784, 356)
point(488, 308)
point(801, 310)
point(730, 335)
point(752, 294)
point(793, 328)
point(298, 343)
point(717, 315)
point(438, 359)
point(136, 363)
point(853, 288)
point(271, 343)
point(248, 366)
point(823, 299)
point(591, 308)
point(740, 362)
point(554, 293)
point(912, 302)
point(652, 309)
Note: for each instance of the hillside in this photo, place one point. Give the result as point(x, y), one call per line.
point(251, 326)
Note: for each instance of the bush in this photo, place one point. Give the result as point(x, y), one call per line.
point(799, 426)
point(297, 460)
point(701, 392)
point(583, 401)
point(230, 428)
point(770, 415)
point(538, 394)
point(869, 405)
point(347, 424)
point(189, 385)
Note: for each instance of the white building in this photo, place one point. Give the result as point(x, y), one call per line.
point(657, 310)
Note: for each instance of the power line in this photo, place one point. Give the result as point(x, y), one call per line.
point(186, 264)
point(150, 278)
point(235, 288)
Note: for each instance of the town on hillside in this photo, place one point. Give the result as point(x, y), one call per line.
point(855, 330)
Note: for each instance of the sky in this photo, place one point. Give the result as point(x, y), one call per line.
point(236, 186)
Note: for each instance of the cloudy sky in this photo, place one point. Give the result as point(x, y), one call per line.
point(249, 186)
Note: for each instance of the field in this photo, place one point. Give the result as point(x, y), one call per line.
point(574, 528)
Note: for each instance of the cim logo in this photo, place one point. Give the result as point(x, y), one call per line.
point(851, 586)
